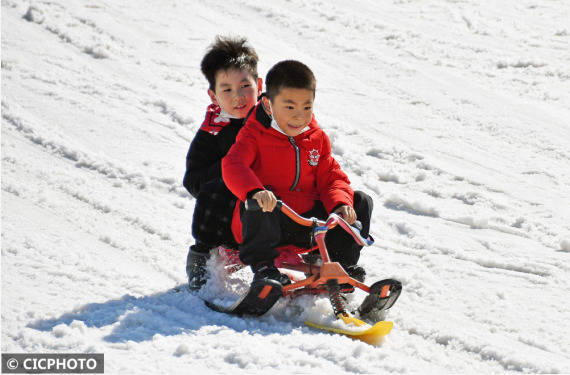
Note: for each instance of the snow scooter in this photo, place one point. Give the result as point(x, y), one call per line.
point(328, 277)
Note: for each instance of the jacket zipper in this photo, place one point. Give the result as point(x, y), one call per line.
point(297, 163)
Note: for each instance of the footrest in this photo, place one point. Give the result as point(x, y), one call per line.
point(383, 294)
point(260, 297)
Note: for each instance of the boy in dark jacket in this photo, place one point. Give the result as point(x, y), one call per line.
point(281, 151)
point(230, 66)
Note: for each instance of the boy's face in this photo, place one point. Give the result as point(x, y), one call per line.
point(236, 91)
point(292, 109)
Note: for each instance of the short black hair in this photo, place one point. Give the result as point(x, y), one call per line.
point(289, 73)
point(227, 53)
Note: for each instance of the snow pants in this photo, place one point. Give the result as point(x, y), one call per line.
point(263, 232)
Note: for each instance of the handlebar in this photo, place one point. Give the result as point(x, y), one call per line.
point(320, 226)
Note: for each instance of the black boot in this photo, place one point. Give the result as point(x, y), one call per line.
point(196, 266)
point(356, 272)
point(267, 270)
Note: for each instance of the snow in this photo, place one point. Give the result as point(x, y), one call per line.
point(453, 115)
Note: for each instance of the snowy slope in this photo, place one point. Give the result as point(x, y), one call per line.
point(454, 116)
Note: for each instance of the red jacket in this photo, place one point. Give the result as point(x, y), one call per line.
point(298, 170)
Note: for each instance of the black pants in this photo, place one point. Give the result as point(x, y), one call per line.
point(211, 222)
point(264, 231)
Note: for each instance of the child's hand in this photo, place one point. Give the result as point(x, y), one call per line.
point(266, 200)
point(347, 213)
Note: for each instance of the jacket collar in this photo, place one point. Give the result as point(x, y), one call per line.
point(261, 115)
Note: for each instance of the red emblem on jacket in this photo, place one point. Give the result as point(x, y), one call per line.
point(314, 157)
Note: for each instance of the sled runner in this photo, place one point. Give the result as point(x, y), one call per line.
point(328, 277)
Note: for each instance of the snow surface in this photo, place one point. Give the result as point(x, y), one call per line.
point(453, 115)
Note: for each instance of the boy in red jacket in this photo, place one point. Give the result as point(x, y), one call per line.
point(282, 152)
point(230, 66)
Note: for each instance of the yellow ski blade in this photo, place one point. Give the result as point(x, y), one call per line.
point(372, 335)
point(348, 320)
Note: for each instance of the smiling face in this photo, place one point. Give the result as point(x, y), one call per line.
point(292, 109)
point(236, 91)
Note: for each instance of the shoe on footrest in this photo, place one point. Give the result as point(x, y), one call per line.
point(356, 272)
point(267, 270)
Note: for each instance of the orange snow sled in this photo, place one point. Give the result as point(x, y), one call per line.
point(326, 277)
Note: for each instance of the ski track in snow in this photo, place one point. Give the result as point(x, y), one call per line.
point(452, 115)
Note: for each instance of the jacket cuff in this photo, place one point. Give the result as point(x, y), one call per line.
point(337, 206)
point(252, 193)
